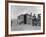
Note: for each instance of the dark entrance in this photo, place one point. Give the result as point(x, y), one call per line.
point(24, 19)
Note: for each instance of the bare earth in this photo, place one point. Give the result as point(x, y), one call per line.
point(23, 27)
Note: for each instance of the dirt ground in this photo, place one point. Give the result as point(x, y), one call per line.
point(23, 27)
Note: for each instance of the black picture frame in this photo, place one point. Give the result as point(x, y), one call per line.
point(6, 18)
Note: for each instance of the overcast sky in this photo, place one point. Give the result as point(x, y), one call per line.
point(18, 10)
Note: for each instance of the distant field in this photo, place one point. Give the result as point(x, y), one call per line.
point(23, 27)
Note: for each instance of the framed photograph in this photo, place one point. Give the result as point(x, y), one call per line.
point(24, 18)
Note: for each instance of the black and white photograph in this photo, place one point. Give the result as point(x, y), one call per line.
point(25, 18)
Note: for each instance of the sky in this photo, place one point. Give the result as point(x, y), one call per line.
point(18, 10)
